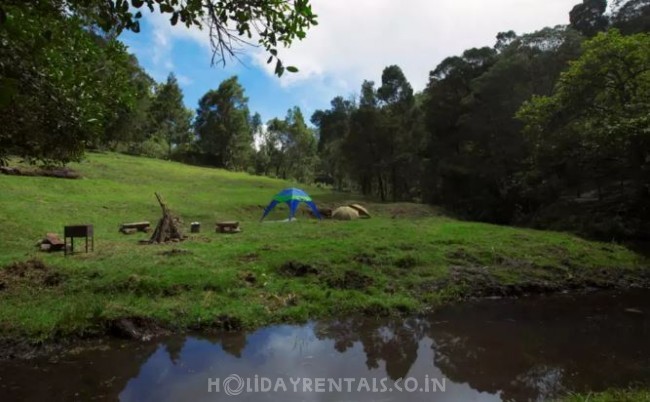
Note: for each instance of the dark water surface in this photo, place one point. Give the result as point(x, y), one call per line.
point(528, 349)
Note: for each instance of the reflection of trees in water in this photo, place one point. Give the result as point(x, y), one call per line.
point(393, 341)
point(536, 349)
point(523, 350)
point(83, 377)
point(232, 343)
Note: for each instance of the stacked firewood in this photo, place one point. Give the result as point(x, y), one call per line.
point(169, 226)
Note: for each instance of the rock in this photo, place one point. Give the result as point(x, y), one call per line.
point(45, 247)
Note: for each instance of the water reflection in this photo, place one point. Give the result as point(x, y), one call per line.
point(488, 351)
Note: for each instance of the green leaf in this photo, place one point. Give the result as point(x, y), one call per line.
point(137, 3)
point(174, 18)
point(166, 8)
point(292, 69)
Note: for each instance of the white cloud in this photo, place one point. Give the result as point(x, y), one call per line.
point(184, 80)
point(356, 39)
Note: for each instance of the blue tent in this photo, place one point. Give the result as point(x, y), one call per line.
point(293, 197)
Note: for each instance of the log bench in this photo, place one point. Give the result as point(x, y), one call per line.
point(128, 228)
point(228, 227)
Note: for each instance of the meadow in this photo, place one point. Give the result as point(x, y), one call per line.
point(407, 258)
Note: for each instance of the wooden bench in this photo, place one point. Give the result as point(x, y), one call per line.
point(128, 228)
point(228, 227)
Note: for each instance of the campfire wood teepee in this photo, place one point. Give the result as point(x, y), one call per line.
point(169, 226)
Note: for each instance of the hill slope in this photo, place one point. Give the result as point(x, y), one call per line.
point(406, 258)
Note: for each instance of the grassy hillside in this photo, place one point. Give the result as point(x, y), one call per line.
point(406, 258)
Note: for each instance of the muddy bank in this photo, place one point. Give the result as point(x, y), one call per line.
point(464, 284)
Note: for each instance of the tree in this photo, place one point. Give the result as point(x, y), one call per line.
point(131, 122)
point(401, 141)
point(363, 146)
point(333, 129)
point(222, 126)
point(60, 87)
point(598, 118)
point(292, 147)
point(230, 23)
point(169, 119)
point(589, 17)
point(631, 16)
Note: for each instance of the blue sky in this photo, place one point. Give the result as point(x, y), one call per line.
point(355, 40)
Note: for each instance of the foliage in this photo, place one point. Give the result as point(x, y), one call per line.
point(291, 147)
point(594, 130)
point(222, 126)
point(589, 17)
point(169, 119)
point(60, 86)
point(231, 23)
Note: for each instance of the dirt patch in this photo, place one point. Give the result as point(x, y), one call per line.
point(406, 262)
point(248, 277)
point(297, 269)
point(228, 323)
point(175, 252)
point(377, 310)
point(249, 257)
point(351, 280)
point(137, 328)
point(477, 281)
point(175, 290)
point(365, 259)
point(31, 273)
point(461, 256)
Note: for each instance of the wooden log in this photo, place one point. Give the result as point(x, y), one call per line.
point(228, 227)
point(139, 226)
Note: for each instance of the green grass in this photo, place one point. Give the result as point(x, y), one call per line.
point(631, 395)
point(406, 258)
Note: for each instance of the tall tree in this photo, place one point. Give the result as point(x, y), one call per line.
point(364, 144)
point(400, 134)
point(169, 119)
point(589, 17)
point(333, 129)
point(222, 126)
point(293, 147)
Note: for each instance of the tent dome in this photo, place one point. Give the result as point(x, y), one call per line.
point(292, 197)
point(345, 214)
point(361, 210)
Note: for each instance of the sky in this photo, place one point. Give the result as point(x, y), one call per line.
point(354, 40)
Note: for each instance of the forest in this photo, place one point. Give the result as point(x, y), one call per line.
point(548, 129)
